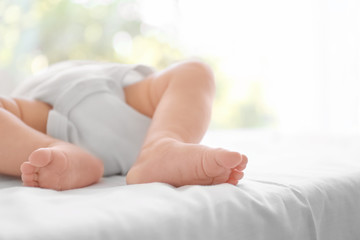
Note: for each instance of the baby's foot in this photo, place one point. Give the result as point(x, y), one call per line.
point(182, 164)
point(61, 167)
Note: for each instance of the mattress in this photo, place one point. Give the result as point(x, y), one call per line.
point(296, 186)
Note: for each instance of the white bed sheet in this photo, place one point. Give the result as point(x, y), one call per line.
point(296, 187)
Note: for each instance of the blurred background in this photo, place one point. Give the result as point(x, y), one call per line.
point(286, 65)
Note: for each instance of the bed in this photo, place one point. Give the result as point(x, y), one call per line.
point(297, 186)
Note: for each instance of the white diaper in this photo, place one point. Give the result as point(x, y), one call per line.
point(89, 109)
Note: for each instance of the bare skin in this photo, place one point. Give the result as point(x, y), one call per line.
point(178, 99)
point(41, 161)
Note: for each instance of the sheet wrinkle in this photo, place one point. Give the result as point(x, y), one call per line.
point(269, 183)
point(302, 198)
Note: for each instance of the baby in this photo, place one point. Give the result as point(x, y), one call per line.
point(78, 121)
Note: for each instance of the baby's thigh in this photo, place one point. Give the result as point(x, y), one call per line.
point(32, 112)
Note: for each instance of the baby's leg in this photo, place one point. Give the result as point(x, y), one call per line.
point(25, 150)
point(179, 100)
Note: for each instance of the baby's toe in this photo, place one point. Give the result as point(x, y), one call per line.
point(228, 159)
point(232, 181)
point(237, 175)
point(29, 180)
point(40, 157)
point(243, 164)
point(27, 177)
point(28, 168)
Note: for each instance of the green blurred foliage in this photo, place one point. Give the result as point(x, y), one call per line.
point(34, 34)
point(63, 30)
point(250, 112)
